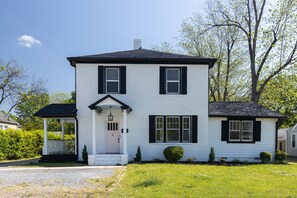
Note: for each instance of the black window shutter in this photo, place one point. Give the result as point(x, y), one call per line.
point(123, 80)
point(194, 129)
point(225, 131)
point(101, 82)
point(152, 129)
point(184, 80)
point(257, 131)
point(162, 80)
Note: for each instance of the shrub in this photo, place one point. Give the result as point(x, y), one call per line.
point(138, 155)
point(265, 157)
point(190, 160)
point(173, 153)
point(280, 156)
point(236, 161)
point(16, 144)
point(222, 161)
point(85, 154)
point(211, 156)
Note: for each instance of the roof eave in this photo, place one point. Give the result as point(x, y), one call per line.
point(280, 116)
point(209, 61)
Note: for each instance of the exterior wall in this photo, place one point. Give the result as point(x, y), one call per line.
point(143, 97)
point(242, 151)
point(10, 126)
point(291, 151)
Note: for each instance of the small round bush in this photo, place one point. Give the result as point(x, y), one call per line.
point(173, 153)
point(280, 156)
point(265, 157)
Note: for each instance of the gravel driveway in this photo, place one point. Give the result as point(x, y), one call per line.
point(51, 182)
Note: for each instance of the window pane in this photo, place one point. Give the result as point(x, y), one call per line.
point(247, 136)
point(186, 136)
point(172, 74)
point(173, 135)
point(247, 126)
point(234, 135)
point(159, 124)
point(112, 87)
point(112, 74)
point(234, 125)
point(172, 122)
point(172, 87)
point(293, 140)
point(159, 136)
point(186, 123)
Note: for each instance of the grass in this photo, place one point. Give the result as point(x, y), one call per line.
point(180, 180)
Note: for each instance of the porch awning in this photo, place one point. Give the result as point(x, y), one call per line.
point(57, 111)
point(108, 101)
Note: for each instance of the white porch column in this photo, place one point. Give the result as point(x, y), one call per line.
point(62, 129)
point(125, 131)
point(44, 151)
point(75, 139)
point(93, 132)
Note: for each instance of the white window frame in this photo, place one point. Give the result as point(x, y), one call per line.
point(168, 81)
point(239, 131)
point(159, 129)
point(106, 80)
point(178, 117)
point(252, 131)
point(295, 135)
point(188, 129)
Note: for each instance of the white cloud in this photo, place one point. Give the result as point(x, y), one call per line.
point(28, 41)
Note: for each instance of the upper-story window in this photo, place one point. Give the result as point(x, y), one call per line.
point(173, 80)
point(112, 80)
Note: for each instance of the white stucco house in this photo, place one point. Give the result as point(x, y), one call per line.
point(154, 100)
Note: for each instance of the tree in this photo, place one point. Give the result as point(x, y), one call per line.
point(280, 95)
point(222, 44)
point(60, 97)
point(270, 39)
point(31, 103)
point(13, 85)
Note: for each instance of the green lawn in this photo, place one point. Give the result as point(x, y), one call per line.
point(178, 180)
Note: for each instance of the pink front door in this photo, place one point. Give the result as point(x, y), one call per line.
point(113, 138)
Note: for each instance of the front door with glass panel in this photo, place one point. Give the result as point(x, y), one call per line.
point(113, 138)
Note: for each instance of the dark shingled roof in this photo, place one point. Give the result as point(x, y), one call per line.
point(141, 56)
point(244, 109)
point(7, 120)
point(57, 110)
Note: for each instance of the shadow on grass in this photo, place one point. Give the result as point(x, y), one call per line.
point(150, 181)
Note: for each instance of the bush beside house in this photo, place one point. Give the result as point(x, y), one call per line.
point(17, 144)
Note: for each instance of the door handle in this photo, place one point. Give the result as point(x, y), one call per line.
point(118, 140)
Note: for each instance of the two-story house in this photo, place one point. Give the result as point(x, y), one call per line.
point(154, 100)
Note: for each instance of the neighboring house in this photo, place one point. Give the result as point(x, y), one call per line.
point(282, 139)
point(291, 141)
point(7, 122)
point(154, 100)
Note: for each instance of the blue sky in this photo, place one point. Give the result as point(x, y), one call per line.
point(41, 34)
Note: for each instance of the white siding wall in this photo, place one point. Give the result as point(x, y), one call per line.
point(144, 98)
point(291, 151)
point(242, 151)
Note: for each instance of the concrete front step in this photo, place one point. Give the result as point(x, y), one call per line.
point(107, 159)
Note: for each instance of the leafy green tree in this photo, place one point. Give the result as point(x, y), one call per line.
point(280, 95)
point(32, 102)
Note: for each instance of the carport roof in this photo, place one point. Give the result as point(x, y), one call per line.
point(57, 110)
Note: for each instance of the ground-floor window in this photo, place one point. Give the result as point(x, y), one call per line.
point(173, 129)
point(241, 130)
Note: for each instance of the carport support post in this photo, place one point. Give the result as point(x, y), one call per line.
point(93, 132)
point(63, 134)
point(125, 131)
point(44, 136)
